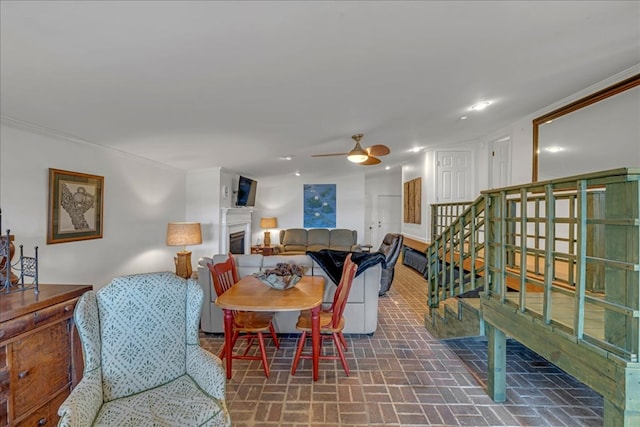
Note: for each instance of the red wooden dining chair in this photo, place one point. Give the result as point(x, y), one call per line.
point(248, 325)
point(331, 320)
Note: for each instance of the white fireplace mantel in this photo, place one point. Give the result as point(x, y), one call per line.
point(233, 220)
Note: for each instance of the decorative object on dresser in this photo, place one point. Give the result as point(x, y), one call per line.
point(75, 206)
point(9, 282)
point(183, 234)
point(268, 223)
point(40, 355)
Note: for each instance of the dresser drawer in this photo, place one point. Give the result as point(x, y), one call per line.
point(40, 366)
point(47, 415)
point(4, 387)
point(15, 327)
point(4, 413)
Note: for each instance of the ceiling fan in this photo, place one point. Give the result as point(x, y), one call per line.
point(366, 156)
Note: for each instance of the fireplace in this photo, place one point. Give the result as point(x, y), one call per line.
point(232, 222)
point(236, 242)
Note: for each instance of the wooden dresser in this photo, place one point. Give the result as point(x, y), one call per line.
point(40, 354)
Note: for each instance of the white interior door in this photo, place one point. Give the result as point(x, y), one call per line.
point(500, 163)
point(389, 218)
point(454, 173)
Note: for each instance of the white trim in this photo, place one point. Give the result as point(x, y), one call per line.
point(232, 221)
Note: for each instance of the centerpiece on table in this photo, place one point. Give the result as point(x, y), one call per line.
point(284, 276)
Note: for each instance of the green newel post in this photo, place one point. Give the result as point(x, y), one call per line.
point(497, 363)
point(622, 244)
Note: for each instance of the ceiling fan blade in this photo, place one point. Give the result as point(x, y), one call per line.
point(370, 161)
point(329, 155)
point(378, 150)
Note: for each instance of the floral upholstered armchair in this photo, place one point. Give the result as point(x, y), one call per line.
point(143, 364)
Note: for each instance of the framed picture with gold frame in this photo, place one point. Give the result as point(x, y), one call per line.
point(75, 206)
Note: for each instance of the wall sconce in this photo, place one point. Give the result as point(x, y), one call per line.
point(183, 234)
point(268, 223)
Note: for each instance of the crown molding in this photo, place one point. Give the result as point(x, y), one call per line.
point(54, 133)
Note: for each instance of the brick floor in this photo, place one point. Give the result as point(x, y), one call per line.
point(402, 376)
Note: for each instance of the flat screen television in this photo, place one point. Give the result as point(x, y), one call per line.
point(246, 191)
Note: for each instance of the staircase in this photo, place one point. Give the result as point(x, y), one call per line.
point(556, 265)
point(455, 318)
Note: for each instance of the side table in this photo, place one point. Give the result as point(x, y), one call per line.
point(263, 250)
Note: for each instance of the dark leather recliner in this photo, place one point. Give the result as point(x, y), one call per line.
point(390, 247)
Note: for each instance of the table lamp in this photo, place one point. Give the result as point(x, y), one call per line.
point(183, 234)
point(268, 223)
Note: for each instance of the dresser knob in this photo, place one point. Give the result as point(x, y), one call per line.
point(23, 374)
point(67, 308)
point(2, 332)
point(42, 421)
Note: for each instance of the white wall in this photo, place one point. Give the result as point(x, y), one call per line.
point(203, 205)
point(140, 198)
point(521, 134)
point(282, 197)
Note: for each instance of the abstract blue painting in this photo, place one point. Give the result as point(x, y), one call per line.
point(319, 205)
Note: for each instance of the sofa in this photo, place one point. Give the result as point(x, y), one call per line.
point(361, 312)
point(297, 241)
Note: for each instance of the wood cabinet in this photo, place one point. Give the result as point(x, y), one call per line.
point(40, 353)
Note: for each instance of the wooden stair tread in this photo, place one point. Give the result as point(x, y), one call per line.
point(473, 302)
point(512, 282)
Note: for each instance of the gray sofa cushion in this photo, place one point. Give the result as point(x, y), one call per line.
point(342, 240)
point(294, 239)
point(317, 239)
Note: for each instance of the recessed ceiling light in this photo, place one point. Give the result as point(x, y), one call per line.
point(463, 118)
point(387, 167)
point(287, 157)
point(297, 173)
point(416, 149)
point(554, 149)
point(480, 106)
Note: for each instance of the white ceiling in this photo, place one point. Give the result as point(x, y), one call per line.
point(240, 84)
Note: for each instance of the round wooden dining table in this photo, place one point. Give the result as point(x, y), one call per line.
point(250, 294)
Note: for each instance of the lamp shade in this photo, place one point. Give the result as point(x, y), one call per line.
point(268, 222)
point(183, 234)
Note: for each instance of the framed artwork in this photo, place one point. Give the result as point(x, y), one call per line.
point(412, 201)
point(319, 205)
point(75, 206)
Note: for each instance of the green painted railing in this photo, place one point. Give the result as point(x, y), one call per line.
point(571, 246)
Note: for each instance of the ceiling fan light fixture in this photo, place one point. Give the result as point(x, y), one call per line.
point(357, 155)
point(357, 158)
